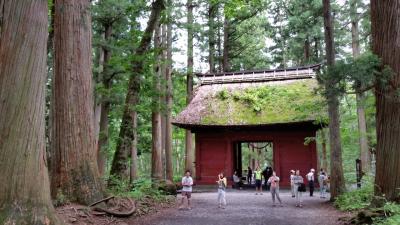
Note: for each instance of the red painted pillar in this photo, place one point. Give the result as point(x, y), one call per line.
point(198, 158)
point(229, 160)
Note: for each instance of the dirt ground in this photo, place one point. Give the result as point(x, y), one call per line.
point(243, 208)
point(246, 208)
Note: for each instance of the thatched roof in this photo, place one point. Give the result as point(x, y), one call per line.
point(254, 104)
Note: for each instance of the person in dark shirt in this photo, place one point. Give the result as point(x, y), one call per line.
point(249, 175)
point(267, 173)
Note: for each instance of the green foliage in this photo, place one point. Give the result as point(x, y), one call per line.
point(144, 188)
point(392, 215)
point(139, 189)
point(60, 199)
point(356, 199)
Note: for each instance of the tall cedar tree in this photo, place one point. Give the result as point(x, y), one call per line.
point(212, 13)
point(120, 164)
point(362, 122)
point(385, 18)
point(25, 188)
point(168, 98)
point(189, 154)
point(156, 148)
point(105, 57)
point(337, 178)
point(74, 171)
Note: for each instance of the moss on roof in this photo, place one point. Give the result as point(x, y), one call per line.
point(267, 103)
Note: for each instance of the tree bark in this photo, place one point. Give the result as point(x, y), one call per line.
point(385, 18)
point(337, 177)
point(156, 149)
point(97, 97)
point(134, 157)
point(324, 152)
point(212, 9)
point(169, 101)
point(105, 104)
point(74, 168)
point(120, 164)
point(226, 67)
point(219, 43)
point(307, 50)
point(25, 188)
point(362, 124)
point(189, 154)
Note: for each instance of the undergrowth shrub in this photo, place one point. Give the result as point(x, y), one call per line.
point(139, 189)
point(361, 199)
point(392, 215)
point(356, 199)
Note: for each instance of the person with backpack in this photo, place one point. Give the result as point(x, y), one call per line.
point(222, 183)
point(299, 187)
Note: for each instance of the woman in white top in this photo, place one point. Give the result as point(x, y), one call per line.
point(297, 180)
point(292, 173)
point(221, 190)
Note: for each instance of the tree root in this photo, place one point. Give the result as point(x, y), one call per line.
point(112, 212)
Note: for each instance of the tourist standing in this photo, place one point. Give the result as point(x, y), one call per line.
point(267, 173)
point(187, 183)
point(292, 173)
point(310, 179)
point(237, 182)
point(298, 181)
point(249, 175)
point(258, 175)
point(323, 182)
point(274, 188)
point(221, 190)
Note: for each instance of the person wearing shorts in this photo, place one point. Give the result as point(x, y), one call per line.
point(187, 183)
point(258, 175)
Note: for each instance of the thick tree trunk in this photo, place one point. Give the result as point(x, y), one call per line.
point(307, 50)
point(385, 17)
point(337, 178)
point(156, 149)
point(97, 97)
point(163, 93)
point(120, 164)
point(25, 188)
point(105, 105)
point(362, 124)
point(134, 157)
point(324, 152)
point(212, 9)
point(169, 101)
point(189, 154)
point(316, 48)
point(74, 168)
point(219, 43)
point(226, 67)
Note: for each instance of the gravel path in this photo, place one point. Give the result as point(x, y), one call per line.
point(246, 208)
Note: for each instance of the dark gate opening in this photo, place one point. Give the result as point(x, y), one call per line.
point(252, 154)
